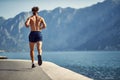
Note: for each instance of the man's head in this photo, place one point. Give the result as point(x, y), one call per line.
point(35, 10)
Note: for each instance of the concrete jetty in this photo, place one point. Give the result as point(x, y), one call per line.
point(21, 70)
point(3, 57)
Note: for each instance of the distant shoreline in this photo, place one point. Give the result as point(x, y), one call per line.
point(2, 50)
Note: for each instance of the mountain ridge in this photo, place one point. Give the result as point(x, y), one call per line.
point(91, 28)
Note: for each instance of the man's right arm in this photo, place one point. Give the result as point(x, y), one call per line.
point(27, 23)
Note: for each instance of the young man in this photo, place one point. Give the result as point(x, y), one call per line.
point(36, 24)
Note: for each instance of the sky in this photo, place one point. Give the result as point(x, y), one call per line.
point(10, 8)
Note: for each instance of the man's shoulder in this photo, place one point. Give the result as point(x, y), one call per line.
point(39, 17)
point(30, 17)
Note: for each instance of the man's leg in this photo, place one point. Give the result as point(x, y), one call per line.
point(39, 48)
point(32, 52)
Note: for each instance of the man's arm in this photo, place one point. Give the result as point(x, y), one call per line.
point(27, 23)
point(43, 24)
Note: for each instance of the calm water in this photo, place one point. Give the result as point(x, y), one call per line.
point(102, 65)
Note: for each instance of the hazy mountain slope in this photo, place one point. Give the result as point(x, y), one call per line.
point(91, 28)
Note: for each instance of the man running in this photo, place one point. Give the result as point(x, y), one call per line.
point(36, 24)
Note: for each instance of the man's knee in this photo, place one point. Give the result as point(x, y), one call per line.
point(31, 50)
point(39, 49)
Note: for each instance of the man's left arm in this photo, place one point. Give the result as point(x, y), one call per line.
point(43, 23)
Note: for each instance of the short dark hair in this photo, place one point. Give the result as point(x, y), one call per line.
point(35, 9)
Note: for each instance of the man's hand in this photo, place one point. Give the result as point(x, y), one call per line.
point(43, 24)
point(27, 23)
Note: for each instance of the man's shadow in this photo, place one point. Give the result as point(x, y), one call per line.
point(18, 69)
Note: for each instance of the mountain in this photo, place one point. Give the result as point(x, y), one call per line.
point(1, 20)
point(92, 28)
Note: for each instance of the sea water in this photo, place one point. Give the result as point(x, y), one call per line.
point(99, 65)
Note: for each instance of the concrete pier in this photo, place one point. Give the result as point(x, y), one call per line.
point(3, 57)
point(21, 70)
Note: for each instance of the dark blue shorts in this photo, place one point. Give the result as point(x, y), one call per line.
point(35, 36)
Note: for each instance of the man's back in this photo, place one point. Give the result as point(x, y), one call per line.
point(35, 23)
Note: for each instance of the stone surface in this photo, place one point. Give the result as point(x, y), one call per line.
point(21, 70)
